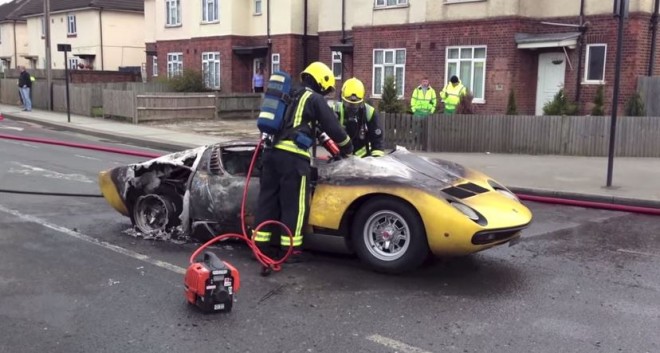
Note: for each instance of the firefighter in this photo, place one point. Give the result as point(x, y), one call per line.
point(452, 94)
point(360, 120)
point(284, 181)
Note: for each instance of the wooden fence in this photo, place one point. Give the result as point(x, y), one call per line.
point(559, 135)
point(239, 105)
point(169, 106)
point(649, 90)
point(119, 103)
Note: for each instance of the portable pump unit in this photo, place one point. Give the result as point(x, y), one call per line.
point(210, 285)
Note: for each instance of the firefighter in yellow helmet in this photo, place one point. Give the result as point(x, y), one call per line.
point(360, 120)
point(284, 192)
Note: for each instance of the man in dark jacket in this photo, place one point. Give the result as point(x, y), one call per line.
point(284, 193)
point(24, 86)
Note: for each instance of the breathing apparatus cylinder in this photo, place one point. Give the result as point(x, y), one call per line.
point(273, 107)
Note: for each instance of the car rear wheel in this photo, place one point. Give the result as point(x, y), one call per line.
point(157, 212)
point(389, 236)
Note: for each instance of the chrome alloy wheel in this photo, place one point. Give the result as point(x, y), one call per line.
point(387, 235)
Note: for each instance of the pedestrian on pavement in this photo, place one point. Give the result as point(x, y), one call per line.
point(423, 101)
point(284, 192)
point(452, 93)
point(360, 120)
point(25, 85)
point(258, 81)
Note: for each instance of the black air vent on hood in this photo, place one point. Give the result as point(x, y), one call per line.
point(464, 190)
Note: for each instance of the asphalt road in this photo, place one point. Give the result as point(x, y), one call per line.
point(72, 280)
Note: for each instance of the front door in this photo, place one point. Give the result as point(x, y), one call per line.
point(257, 64)
point(552, 69)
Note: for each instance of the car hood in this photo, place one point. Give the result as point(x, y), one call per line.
point(399, 167)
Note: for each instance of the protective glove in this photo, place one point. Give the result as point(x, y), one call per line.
point(377, 153)
point(346, 150)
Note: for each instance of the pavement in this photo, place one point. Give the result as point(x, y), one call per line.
point(635, 181)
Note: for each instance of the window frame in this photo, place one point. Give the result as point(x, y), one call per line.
point(43, 27)
point(169, 5)
point(205, 14)
point(395, 65)
point(337, 61)
point(586, 79)
point(154, 66)
point(208, 58)
point(382, 4)
point(171, 63)
point(71, 25)
point(273, 62)
point(478, 100)
point(73, 59)
point(261, 7)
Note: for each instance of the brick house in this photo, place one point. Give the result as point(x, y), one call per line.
point(531, 47)
point(229, 40)
point(103, 34)
point(13, 34)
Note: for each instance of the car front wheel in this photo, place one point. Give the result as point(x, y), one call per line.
point(389, 236)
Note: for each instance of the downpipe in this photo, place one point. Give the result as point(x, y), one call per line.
point(521, 196)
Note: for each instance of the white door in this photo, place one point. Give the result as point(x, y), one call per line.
point(552, 69)
point(257, 64)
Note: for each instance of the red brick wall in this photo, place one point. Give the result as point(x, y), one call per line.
point(235, 70)
point(507, 67)
point(150, 48)
point(325, 55)
point(91, 76)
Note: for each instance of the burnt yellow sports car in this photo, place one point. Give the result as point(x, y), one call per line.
point(392, 211)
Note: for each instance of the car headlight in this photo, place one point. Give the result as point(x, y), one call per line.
point(508, 194)
point(467, 211)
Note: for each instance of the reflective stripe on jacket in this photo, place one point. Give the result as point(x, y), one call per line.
point(452, 95)
point(423, 101)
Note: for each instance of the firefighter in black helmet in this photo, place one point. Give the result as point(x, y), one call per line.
point(284, 181)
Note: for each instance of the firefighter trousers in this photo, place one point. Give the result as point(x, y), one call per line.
point(284, 196)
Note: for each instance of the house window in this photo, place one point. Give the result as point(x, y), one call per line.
point(595, 63)
point(211, 70)
point(154, 66)
point(210, 10)
point(389, 62)
point(73, 63)
point(71, 25)
point(336, 64)
point(386, 3)
point(43, 28)
point(173, 12)
point(274, 63)
point(174, 64)
point(469, 64)
point(257, 7)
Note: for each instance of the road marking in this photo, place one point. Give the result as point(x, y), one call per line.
point(11, 128)
point(21, 144)
point(395, 345)
point(30, 170)
point(634, 252)
point(85, 157)
point(89, 239)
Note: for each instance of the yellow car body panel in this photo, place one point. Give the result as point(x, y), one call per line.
point(110, 193)
point(449, 232)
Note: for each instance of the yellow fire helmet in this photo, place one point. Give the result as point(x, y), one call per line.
point(352, 91)
point(322, 75)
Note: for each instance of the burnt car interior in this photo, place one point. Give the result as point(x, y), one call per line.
point(236, 160)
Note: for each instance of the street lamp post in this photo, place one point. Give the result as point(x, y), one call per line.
point(48, 64)
point(620, 9)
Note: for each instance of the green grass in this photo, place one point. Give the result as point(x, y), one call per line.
point(97, 112)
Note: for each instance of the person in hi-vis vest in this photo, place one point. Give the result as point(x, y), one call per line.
point(452, 93)
point(423, 99)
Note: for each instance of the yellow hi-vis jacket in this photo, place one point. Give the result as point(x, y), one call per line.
point(422, 102)
point(451, 95)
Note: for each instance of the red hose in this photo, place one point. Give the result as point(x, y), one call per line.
point(266, 261)
point(542, 199)
point(82, 145)
point(590, 204)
